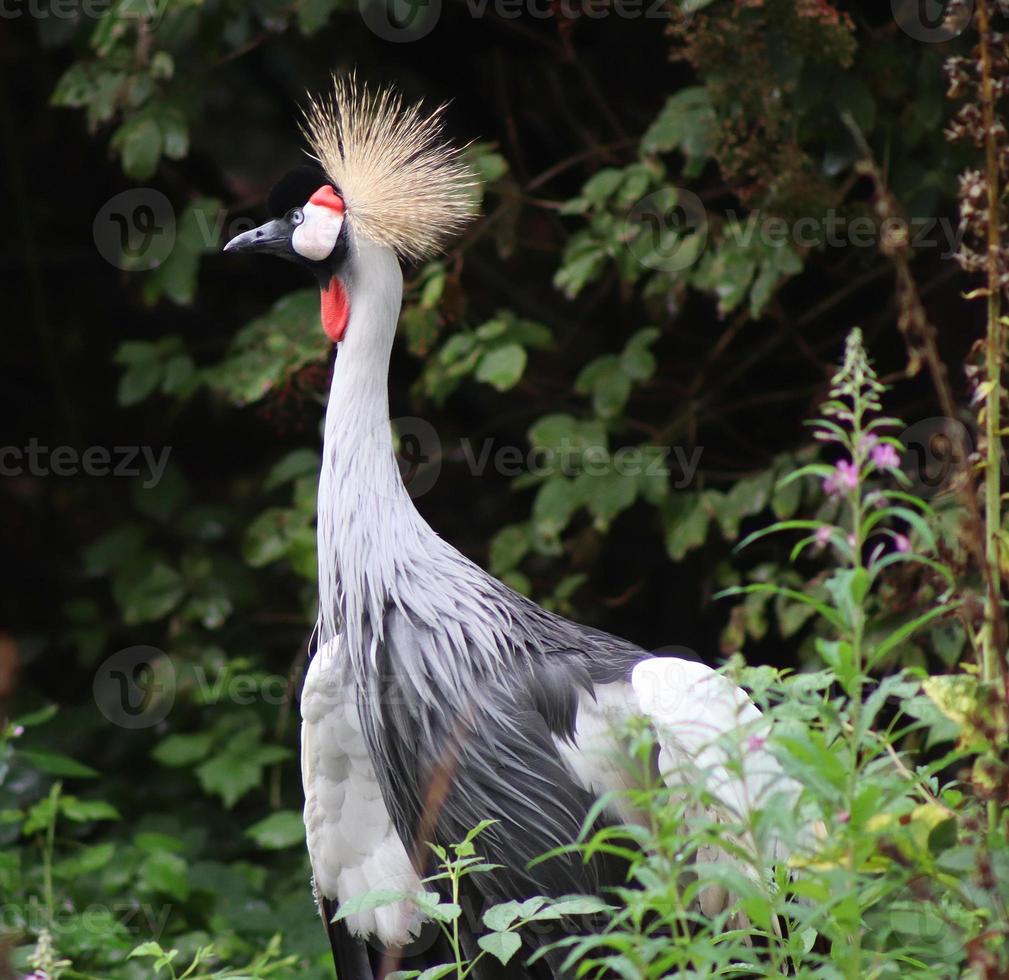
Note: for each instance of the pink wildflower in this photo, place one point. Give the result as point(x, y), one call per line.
point(901, 542)
point(823, 535)
point(885, 456)
point(844, 477)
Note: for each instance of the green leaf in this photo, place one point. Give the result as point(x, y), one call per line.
point(300, 462)
point(500, 917)
point(582, 262)
point(196, 233)
point(279, 830)
point(554, 506)
point(437, 972)
point(503, 945)
point(502, 367)
point(777, 528)
point(821, 607)
point(313, 15)
point(577, 905)
point(183, 749)
point(375, 899)
point(271, 535)
point(942, 836)
point(600, 186)
point(39, 717)
point(239, 767)
point(165, 873)
point(84, 811)
point(507, 548)
point(140, 379)
point(269, 350)
point(859, 585)
point(908, 629)
point(687, 122)
point(431, 905)
point(150, 596)
point(57, 764)
point(86, 861)
point(139, 142)
point(150, 948)
point(637, 361)
point(607, 494)
point(686, 520)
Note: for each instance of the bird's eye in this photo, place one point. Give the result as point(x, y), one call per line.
point(296, 216)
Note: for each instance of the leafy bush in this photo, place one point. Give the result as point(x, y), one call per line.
point(628, 294)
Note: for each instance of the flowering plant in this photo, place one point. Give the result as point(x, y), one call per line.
point(873, 523)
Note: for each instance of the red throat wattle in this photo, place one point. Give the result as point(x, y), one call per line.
point(335, 310)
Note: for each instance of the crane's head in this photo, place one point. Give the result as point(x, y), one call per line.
point(387, 175)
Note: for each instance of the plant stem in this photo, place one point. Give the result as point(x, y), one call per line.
point(993, 363)
point(47, 853)
point(856, 502)
point(456, 875)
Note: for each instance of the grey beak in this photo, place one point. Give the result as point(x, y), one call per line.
point(273, 238)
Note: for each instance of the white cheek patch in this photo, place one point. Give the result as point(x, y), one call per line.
point(315, 238)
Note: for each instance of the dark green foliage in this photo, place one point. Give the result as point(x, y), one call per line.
point(615, 360)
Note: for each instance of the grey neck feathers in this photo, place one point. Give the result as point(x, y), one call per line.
point(361, 495)
point(376, 553)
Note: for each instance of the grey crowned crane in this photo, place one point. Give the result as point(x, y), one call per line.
point(438, 697)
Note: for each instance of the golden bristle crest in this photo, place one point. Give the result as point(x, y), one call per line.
point(404, 185)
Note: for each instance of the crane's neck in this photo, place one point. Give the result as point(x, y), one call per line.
point(368, 525)
point(376, 552)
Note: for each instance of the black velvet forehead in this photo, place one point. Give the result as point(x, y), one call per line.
point(295, 188)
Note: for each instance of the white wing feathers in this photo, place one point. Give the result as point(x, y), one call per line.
point(352, 843)
point(707, 725)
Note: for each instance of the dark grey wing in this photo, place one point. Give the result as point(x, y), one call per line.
point(485, 748)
